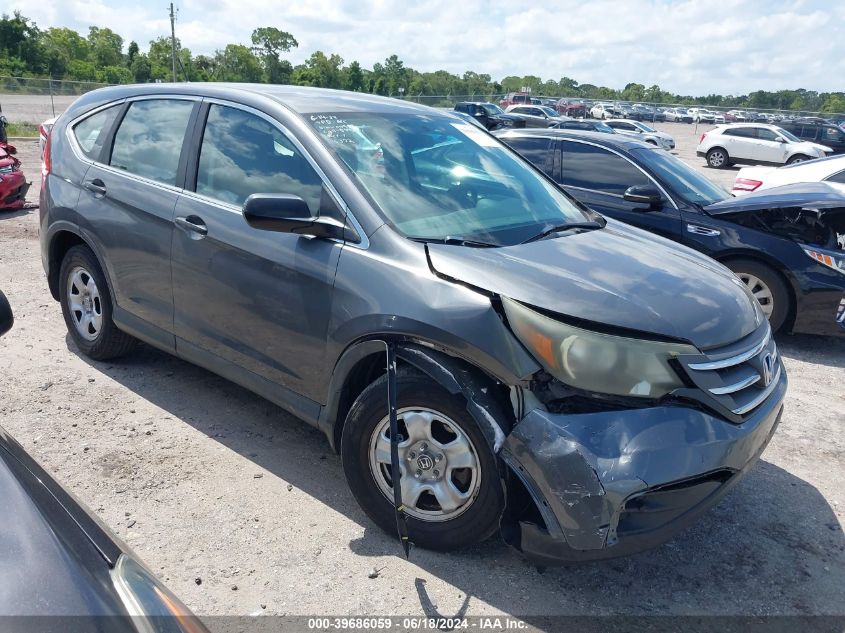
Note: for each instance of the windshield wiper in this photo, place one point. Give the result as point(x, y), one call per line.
point(560, 228)
point(458, 241)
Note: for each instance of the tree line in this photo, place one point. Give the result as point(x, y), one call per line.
point(102, 56)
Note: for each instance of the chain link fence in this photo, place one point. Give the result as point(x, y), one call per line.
point(32, 100)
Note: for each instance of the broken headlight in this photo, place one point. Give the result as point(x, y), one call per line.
point(597, 362)
point(831, 260)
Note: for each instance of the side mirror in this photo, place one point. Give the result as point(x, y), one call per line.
point(285, 213)
point(6, 317)
point(781, 139)
point(643, 194)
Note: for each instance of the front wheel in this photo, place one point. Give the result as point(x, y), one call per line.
point(798, 158)
point(450, 483)
point(768, 289)
point(717, 158)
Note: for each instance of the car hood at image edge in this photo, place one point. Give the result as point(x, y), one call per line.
point(618, 276)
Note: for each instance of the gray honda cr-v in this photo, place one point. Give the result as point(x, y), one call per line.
point(581, 385)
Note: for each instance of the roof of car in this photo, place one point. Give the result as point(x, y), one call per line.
point(301, 99)
point(600, 138)
point(725, 126)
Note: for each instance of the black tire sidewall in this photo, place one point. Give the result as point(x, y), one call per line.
point(780, 292)
point(477, 522)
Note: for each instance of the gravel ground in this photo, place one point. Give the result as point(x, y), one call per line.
point(236, 504)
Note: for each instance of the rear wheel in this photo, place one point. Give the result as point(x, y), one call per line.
point(449, 480)
point(718, 158)
point(87, 307)
point(798, 158)
point(768, 288)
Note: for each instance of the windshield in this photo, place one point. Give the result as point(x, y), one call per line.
point(644, 127)
point(435, 177)
point(550, 111)
point(787, 135)
point(681, 178)
point(492, 108)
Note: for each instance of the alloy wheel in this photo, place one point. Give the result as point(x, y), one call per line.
point(86, 308)
point(440, 472)
point(761, 292)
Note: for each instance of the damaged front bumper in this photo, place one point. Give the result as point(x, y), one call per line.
point(614, 483)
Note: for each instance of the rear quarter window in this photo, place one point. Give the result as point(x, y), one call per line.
point(91, 133)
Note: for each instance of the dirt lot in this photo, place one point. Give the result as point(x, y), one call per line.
point(236, 504)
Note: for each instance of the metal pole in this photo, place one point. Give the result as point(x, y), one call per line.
point(173, 40)
point(52, 104)
point(395, 471)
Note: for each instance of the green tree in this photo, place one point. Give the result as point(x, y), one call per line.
point(20, 39)
point(237, 62)
point(633, 92)
point(353, 77)
point(268, 43)
point(131, 52)
point(106, 47)
point(141, 69)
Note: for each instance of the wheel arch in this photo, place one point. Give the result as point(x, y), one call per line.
point(60, 243)
point(780, 271)
point(365, 361)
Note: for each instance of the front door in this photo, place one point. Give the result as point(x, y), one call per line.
point(257, 299)
point(598, 178)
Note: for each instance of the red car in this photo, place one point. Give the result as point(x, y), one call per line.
point(13, 185)
point(515, 98)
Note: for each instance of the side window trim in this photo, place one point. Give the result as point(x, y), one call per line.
point(195, 146)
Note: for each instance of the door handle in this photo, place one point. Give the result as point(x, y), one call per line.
point(96, 186)
point(193, 224)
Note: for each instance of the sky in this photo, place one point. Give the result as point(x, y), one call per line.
point(693, 47)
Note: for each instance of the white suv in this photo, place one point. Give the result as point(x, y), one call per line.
point(755, 143)
point(603, 111)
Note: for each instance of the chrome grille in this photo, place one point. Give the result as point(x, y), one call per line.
point(738, 378)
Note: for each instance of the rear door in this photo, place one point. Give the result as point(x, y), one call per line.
point(598, 177)
point(246, 298)
point(740, 142)
point(126, 209)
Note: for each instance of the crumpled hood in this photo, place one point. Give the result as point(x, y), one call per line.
point(805, 195)
point(618, 276)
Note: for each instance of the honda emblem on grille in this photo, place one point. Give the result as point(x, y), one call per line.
point(767, 369)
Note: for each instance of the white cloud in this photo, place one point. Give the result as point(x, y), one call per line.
point(686, 46)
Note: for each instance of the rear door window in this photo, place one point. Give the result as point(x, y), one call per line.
point(742, 132)
point(91, 133)
point(538, 152)
point(837, 177)
point(591, 167)
point(149, 140)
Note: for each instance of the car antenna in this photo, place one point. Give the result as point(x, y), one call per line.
point(395, 474)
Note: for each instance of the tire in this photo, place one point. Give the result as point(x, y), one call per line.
point(798, 158)
point(476, 519)
point(718, 158)
point(768, 286)
point(89, 318)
